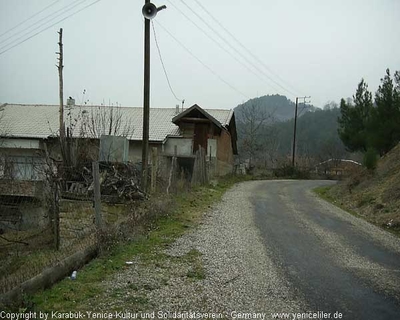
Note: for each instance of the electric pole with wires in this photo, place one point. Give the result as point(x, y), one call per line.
point(149, 11)
point(295, 127)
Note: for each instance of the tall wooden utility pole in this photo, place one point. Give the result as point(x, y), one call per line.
point(295, 128)
point(294, 133)
point(146, 101)
point(149, 11)
point(61, 87)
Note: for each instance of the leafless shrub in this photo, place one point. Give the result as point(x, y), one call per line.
point(86, 125)
point(251, 122)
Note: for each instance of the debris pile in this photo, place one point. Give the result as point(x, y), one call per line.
point(119, 182)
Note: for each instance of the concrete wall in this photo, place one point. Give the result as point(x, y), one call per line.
point(20, 143)
point(114, 149)
point(33, 189)
point(23, 216)
point(135, 150)
point(184, 146)
point(23, 152)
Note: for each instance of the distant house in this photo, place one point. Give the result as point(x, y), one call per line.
point(336, 167)
point(33, 130)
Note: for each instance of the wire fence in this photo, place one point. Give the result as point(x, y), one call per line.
point(48, 212)
point(46, 220)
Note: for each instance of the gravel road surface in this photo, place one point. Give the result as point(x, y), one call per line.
point(270, 247)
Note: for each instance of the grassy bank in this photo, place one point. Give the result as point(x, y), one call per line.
point(324, 193)
point(172, 217)
point(331, 194)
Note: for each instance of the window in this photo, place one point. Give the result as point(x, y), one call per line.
point(22, 168)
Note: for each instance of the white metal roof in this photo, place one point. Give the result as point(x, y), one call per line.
point(42, 121)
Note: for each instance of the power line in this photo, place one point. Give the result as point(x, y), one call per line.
point(233, 48)
point(242, 45)
point(304, 106)
point(72, 14)
point(63, 11)
point(162, 63)
point(218, 44)
point(22, 22)
point(202, 63)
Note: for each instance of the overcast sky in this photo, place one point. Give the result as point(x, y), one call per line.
point(307, 47)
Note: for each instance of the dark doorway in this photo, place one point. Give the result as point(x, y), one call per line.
point(200, 136)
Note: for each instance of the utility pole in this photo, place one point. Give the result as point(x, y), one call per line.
point(149, 11)
point(294, 133)
point(146, 101)
point(295, 128)
point(61, 86)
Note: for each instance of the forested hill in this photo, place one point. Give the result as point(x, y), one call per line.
point(280, 107)
point(317, 135)
point(261, 138)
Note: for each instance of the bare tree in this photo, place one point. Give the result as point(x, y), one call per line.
point(105, 120)
point(252, 120)
point(270, 147)
point(3, 135)
point(86, 124)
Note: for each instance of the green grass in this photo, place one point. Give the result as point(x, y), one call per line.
point(69, 295)
point(323, 192)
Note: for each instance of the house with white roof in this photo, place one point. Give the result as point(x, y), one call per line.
point(27, 132)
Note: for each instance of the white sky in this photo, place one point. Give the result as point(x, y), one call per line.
point(319, 48)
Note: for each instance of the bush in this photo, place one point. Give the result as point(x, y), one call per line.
point(288, 171)
point(370, 159)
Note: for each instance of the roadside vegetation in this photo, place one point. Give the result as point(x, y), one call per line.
point(371, 126)
point(371, 194)
point(171, 217)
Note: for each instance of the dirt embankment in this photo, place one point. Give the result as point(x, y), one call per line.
point(374, 195)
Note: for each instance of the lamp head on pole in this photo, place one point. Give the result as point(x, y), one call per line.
point(149, 10)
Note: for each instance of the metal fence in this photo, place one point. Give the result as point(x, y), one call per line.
point(49, 212)
point(44, 221)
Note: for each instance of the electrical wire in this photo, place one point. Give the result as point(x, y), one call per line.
point(65, 18)
point(38, 27)
point(302, 109)
point(162, 63)
point(202, 63)
point(243, 46)
point(218, 44)
point(22, 22)
point(233, 48)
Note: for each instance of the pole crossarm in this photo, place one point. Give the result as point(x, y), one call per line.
point(295, 128)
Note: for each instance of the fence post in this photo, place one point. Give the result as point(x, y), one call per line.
point(56, 216)
point(97, 194)
point(171, 179)
point(154, 168)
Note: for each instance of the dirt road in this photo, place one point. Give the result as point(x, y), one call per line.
point(270, 247)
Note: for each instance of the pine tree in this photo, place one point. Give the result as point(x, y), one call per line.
point(385, 122)
point(354, 119)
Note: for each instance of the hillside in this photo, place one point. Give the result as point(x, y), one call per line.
point(317, 135)
point(280, 107)
point(375, 196)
